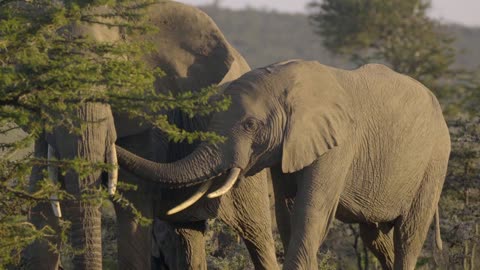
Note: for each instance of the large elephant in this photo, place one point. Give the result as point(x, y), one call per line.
point(193, 52)
point(367, 146)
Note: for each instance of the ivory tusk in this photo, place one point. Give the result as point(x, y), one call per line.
point(194, 198)
point(53, 175)
point(112, 175)
point(57, 211)
point(232, 178)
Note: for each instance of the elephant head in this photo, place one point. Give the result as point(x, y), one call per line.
point(287, 114)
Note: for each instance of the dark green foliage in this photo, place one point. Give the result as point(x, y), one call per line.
point(47, 74)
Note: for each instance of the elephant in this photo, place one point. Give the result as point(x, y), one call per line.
point(367, 146)
point(194, 54)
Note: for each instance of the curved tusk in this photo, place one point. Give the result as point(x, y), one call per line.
point(112, 175)
point(53, 175)
point(232, 178)
point(194, 198)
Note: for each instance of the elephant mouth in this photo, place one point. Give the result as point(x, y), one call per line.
point(232, 178)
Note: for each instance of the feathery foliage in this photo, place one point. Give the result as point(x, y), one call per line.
point(47, 74)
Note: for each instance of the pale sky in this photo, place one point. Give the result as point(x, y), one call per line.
point(459, 11)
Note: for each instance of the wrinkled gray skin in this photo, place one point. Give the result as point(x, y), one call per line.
point(194, 53)
point(367, 146)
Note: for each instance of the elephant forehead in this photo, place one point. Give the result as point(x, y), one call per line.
point(251, 104)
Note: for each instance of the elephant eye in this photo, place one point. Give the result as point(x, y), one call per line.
point(251, 125)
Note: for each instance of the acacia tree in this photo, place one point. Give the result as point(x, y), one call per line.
point(399, 33)
point(46, 74)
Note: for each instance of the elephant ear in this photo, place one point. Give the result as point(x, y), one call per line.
point(317, 115)
point(190, 48)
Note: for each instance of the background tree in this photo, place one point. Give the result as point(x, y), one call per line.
point(46, 74)
point(399, 34)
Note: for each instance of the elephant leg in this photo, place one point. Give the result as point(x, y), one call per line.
point(412, 227)
point(319, 188)
point(164, 239)
point(179, 245)
point(284, 189)
point(39, 255)
point(251, 218)
point(192, 254)
point(134, 242)
point(310, 226)
point(380, 241)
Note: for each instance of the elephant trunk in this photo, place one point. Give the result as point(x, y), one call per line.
point(198, 167)
point(94, 144)
point(86, 234)
point(85, 216)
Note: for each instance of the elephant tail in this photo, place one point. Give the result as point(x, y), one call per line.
point(438, 238)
